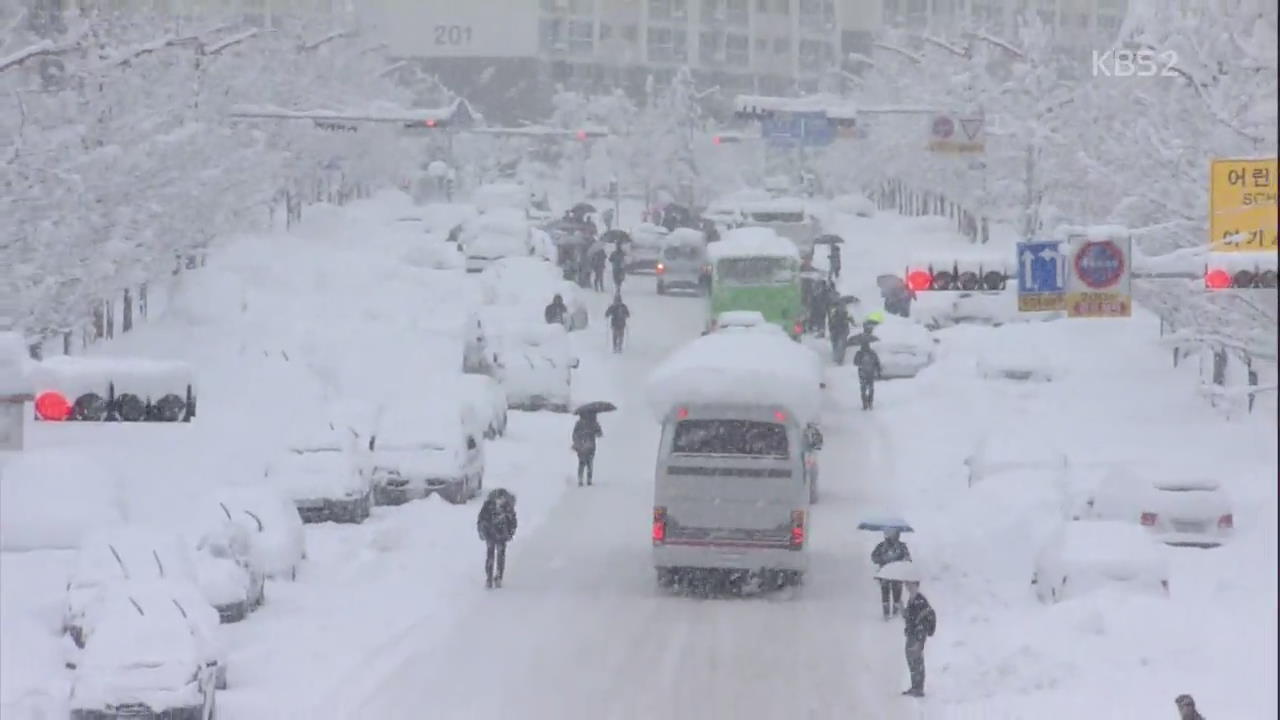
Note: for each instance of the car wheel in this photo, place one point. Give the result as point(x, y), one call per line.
point(455, 494)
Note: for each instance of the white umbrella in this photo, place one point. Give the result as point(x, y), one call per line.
point(901, 571)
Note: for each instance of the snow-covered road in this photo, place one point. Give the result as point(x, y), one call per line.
point(581, 631)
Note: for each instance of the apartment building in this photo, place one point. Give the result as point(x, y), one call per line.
point(1072, 21)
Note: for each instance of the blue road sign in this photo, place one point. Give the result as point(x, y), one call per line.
point(1042, 277)
point(810, 129)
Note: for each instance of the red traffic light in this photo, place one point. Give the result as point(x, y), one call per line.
point(919, 280)
point(582, 134)
point(1217, 279)
point(53, 405)
point(716, 140)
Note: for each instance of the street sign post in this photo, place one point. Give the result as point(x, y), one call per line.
point(1242, 205)
point(809, 129)
point(954, 133)
point(1098, 281)
point(1042, 277)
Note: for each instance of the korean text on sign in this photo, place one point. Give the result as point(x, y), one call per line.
point(1242, 205)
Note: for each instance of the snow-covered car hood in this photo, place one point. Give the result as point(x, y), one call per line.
point(423, 462)
point(318, 473)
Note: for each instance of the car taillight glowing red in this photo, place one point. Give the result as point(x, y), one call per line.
point(919, 280)
point(1148, 519)
point(660, 268)
point(53, 405)
point(797, 529)
point(682, 413)
point(780, 416)
point(659, 525)
point(1226, 522)
point(798, 328)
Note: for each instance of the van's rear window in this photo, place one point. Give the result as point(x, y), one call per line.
point(730, 437)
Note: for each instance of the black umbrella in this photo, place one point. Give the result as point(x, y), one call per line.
point(615, 236)
point(828, 240)
point(599, 406)
point(889, 282)
point(846, 299)
point(582, 208)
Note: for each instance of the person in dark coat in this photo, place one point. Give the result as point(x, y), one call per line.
point(584, 270)
point(556, 311)
point(868, 364)
point(618, 259)
point(819, 303)
point(919, 624)
point(1187, 708)
point(897, 300)
point(833, 261)
point(890, 549)
point(599, 258)
point(496, 525)
point(585, 432)
point(618, 314)
point(838, 326)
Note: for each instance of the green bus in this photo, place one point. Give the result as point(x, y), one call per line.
point(754, 268)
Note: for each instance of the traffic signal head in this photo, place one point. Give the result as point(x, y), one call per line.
point(113, 389)
point(955, 278)
point(1240, 271)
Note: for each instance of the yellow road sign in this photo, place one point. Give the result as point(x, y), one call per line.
point(1242, 205)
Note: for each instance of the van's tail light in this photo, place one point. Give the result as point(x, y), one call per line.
point(798, 328)
point(797, 529)
point(1226, 522)
point(659, 525)
point(660, 268)
point(1148, 519)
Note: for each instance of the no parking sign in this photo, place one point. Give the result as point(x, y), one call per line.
point(1098, 283)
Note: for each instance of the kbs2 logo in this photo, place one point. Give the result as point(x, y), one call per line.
point(1134, 63)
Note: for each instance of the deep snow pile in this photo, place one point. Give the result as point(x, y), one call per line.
point(741, 367)
point(285, 333)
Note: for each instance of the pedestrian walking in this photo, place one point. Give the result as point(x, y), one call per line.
point(1187, 708)
point(889, 550)
point(497, 526)
point(599, 258)
point(618, 259)
point(833, 262)
point(868, 364)
point(555, 311)
point(585, 432)
point(617, 314)
point(919, 624)
point(838, 325)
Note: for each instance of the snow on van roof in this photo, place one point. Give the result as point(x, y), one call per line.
point(780, 204)
point(752, 242)
point(747, 368)
point(686, 236)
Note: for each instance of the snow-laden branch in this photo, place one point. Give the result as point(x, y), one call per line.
point(45, 48)
point(962, 52)
point(915, 58)
point(321, 41)
point(128, 54)
point(232, 41)
point(997, 42)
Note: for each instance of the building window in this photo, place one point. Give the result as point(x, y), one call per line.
point(814, 54)
point(810, 14)
point(1082, 21)
point(762, 7)
point(711, 11)
point(666, 10)
point(630, 33)
point(582, 7)
point(737, 50)
point(891, 11)
point(667, 45)
point(762, 46)
point(782, 45)
point(580, 34)
point(739, 12)
point(606, 31)
point(782, 7)
point(550, 6)
point(551, 34)
point(1109, 23)
point(709, 47)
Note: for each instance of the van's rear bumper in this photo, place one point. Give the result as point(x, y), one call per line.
point(728, 556)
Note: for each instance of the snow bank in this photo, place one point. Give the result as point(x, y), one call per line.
point(747, 368)
point(142, 376)
point(50, 498)
point(13, 364)
point(775, 205)
point(752, 242)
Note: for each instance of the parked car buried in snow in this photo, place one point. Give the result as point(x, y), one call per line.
point(411, 458)
point(904, 347)
point(1190, 512)
point(151, 654)
point(497, 234)
point(277, 544)
point(325, 483)
point(1085, 555)
point(486, 404)
point(529, 283)
point(535, 365)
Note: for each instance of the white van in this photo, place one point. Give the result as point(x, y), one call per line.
point(736, 470)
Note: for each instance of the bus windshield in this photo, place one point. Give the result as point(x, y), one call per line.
point(756, 271)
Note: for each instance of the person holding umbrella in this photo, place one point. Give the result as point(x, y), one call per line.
point(833, 261)
point(866, 360)
point(891, 549)
point(838, 325)
point(585, 432)
point(599, 258)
